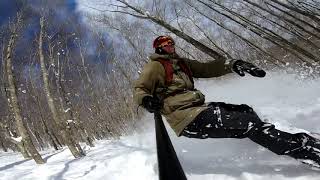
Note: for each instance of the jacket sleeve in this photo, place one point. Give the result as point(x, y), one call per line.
point(209, 69)
point(148, 80)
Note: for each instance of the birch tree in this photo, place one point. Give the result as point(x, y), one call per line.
point(74, 148)
point(13, 99)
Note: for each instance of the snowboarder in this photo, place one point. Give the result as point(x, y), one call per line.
point(166, 85)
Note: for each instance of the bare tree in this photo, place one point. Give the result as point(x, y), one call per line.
point(305, 51)
point(13, 100)
point(74, 148)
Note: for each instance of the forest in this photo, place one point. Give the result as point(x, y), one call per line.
point(67, 69)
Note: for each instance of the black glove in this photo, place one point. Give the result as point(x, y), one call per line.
point(242, 66)
point(151, 104)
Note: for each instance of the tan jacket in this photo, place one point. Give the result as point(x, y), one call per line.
point(181, 108)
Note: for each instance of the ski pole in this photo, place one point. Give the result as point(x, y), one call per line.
point(168, 162)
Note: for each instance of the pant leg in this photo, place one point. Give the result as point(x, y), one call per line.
point(223, 120)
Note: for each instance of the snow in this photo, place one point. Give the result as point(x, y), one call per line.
point(291, 104)
point(18, 139)
point(70, 121)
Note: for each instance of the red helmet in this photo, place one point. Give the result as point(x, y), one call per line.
point(162, 41)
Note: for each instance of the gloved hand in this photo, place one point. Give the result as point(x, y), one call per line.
point(151, 104)
point(240, 66)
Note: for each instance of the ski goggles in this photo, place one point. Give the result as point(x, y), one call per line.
point(169, 42)
point(163, 42)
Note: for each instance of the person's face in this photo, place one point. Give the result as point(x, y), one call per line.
point(169, 48)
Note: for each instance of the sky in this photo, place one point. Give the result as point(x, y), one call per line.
point(64, 18)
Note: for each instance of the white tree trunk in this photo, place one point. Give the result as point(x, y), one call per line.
point(66, 137)
point(13, 100)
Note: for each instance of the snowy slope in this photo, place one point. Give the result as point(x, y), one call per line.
point(278, 98)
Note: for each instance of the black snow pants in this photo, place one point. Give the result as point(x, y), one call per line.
point(223, 120)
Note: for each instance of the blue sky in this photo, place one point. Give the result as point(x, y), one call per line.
point(9, 8)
